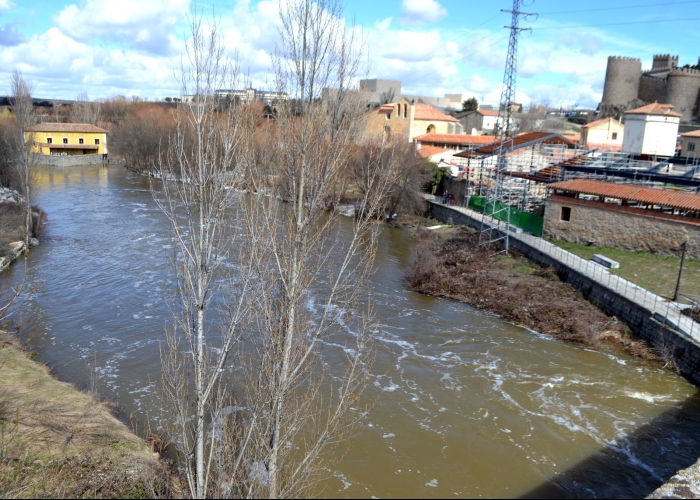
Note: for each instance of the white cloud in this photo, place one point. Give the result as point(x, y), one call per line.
point(143, 25)
point(5, 4)
point(421, 12)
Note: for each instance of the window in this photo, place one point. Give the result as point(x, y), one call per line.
point(430, 129)
point(691, 146)
point(49, 140)
point(566, 214)
point(614, 136)
point(97, 142)
point(405, 110)
point(388, 116)
point(65, 140)
point(81, 141)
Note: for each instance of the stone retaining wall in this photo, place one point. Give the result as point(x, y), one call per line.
point(70, 160)
point(664, 340)
point(607, 225)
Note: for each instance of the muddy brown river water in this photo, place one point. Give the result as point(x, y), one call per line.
point(467, 404)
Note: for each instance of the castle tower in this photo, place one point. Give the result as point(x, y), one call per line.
point(621, 81)
point(683, 92)
point(664, 61)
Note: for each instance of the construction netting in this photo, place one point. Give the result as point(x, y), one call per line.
point(526, 221)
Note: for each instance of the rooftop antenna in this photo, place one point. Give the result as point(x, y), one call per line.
point(498, 203)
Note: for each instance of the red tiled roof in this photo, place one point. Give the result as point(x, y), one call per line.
point(694, 133)
point(455, 139)
point(386, 107)
point(652, 196)
point(601, 120)
point(66, 127)
point(427, 112)
point(517, 141)
point(487, 112)
point(654, 109)
point(613, 148)
point(427, 151)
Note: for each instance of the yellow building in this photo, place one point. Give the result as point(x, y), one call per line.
point(67, 139)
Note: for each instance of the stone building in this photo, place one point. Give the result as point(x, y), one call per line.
point(626, 85)
point(408, 120)
point(624, 216)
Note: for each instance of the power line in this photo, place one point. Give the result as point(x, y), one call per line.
point(619, 8)
point(459, 58)
point(620, 24)
point(462, 58)
point(457, 38)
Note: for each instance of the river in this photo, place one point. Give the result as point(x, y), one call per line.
point(467, 404)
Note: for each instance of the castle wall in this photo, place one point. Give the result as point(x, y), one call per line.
point(652, 89)
point(622, 78)
point(683, 92)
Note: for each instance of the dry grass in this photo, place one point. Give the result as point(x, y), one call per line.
point(450, 265)
point(58, 442)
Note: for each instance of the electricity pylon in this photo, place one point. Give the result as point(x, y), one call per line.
point(498, 202)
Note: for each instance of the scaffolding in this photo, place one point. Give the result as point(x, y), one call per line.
point(500, 192)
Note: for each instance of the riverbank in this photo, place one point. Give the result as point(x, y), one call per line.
point(59, 442)
point(56, 441)
point(450, 264)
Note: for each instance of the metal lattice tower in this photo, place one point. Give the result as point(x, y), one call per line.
point(498, 202)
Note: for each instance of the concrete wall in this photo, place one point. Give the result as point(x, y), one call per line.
point(603, 133)
point(621, 80)
point(657, 336)
point(614, 226)
point(70, 160)
point(382, 91)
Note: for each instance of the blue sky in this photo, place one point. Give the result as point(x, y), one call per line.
point(132, 47)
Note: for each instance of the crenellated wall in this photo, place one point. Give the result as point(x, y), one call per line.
point(626, 84)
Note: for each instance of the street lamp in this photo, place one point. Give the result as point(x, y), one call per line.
point(684, 247)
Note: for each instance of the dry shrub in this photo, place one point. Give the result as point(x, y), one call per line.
point(693, 312)
point(516, 289)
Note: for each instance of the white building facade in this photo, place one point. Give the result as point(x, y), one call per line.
point(651, 130)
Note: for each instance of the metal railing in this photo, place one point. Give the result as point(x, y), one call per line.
point(663, 310)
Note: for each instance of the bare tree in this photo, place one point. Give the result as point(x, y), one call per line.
point(296, 415)
point(208, 315)
point(23, 110)
point(85, 111)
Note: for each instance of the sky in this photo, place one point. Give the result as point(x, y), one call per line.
point(133, 47)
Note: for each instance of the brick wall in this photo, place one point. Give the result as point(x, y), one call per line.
point(614, 226)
